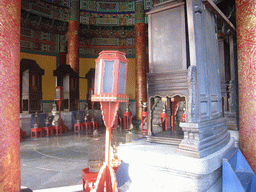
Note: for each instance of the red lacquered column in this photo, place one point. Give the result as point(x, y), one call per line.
point(9, 95)
point(140, 52)
point(62, 58)
point(63, 49)
point(246, 44)
point(73, 36)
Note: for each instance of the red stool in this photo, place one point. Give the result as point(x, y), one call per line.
point(58, 129)
point(94, 124)
point(88, 177)
point(78, 127)
point(162, 117)
point(127, 119)
point(87, 125)
point(144, 115)
point(37, 132)
point(47, 131)
point(91, 177)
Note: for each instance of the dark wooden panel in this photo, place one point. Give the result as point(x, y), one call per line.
point(167, 38)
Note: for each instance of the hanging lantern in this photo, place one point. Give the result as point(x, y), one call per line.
point(110, 77)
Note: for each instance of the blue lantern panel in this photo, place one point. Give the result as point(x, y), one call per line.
point(121, 89)
point(97, 78)
point(108, 77)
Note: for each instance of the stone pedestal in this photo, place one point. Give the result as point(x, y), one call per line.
point(156, 167)
point(202, 139)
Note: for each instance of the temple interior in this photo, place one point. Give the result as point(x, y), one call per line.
point(125, 95)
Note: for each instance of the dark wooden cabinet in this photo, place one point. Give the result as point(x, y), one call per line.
point(69, 80)
point(90, 76)
point(31, 86)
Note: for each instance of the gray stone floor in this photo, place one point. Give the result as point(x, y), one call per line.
point(57, 161)
point(51, 163)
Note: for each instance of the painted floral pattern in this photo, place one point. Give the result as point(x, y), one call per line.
point(246, 35)
point(9, 94)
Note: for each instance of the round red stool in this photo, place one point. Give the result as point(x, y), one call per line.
point(88, 178)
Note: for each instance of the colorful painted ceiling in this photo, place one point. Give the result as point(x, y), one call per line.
point(103, 12)
point(105, 24)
